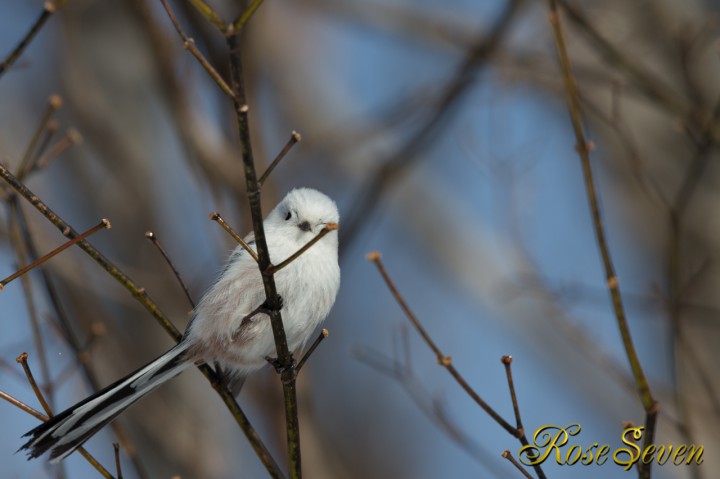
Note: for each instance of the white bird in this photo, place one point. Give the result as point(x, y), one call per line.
point(223, 329)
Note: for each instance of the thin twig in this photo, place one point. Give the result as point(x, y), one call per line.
point(323, 334)
point(28, 289)
point(210, 14)
point(327, 229)
point(507, 361)
point(104, 224)
point(71, 137)
point(216, 217)
point(94, 463)
point(189, 45)
point(294, 138)
point(138, 293)
point(243, 19)
point(52, 127)
point(22, 359)
point(583, 149)
point(444, 361)
point(118, 469)
point(156, 242)
point(48, 9)
point(506, 454)
point(23, 406)
point(54, 103)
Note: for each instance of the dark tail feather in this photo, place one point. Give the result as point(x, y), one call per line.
point(68, 430)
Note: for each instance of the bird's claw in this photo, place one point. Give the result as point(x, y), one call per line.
point(287, 373)
point(265, 308)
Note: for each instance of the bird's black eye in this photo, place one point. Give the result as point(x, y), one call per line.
point(288, 216)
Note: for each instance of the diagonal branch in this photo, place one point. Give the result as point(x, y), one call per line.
point(323, 334)
point(245, 16)
point(69, 335)
point(327, 229)
point(141, 295)
point(507, 455)
point(54, 103)
point(71, 137)
point(15, 229)
point(446, 362)
point(21, 405)
point(138, 292)
point(118, 469)
point(189, 45)
point(398, 163)
point(210, 14)
point(156, 242)
point(104, 224)
point(216, 217)
point(48, 9)
point(294, 138)
point(507, 361)
point(443, 360)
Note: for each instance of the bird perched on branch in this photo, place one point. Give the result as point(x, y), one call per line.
point(231, 324)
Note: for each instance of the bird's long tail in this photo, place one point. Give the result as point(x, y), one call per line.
point(68, 430)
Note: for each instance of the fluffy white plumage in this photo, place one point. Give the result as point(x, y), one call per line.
point(220, 331)
point(308, 287)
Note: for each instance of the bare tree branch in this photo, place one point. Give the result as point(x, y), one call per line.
point(156, 242)
point(22, 359)
point(583, 148)
point(446, 361)
point(49, 8)
point(103, 225)
point(142, 296)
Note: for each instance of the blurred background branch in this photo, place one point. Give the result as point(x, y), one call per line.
point(441, 131)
